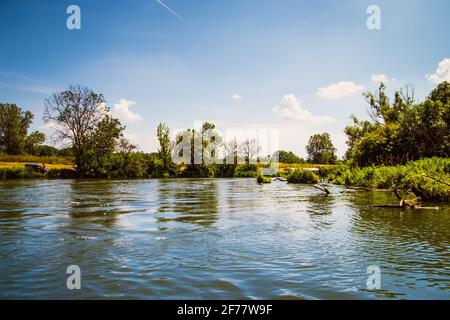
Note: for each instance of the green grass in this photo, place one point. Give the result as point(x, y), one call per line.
point(30, 173)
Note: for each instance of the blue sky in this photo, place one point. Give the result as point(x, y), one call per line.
point(297, 66)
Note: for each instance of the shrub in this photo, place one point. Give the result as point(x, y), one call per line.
point(303, 176)
point(261, 179)
point(224, 170)
point(419, 176)
point(246, 171)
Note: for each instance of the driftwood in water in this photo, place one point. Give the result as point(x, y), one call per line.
point(359, 188)
point(322, 188)
point(406, 203)
point(280, 179)
point(411, 203)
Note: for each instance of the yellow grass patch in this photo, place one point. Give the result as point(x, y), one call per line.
point(22, 164)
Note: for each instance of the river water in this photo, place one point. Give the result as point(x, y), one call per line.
point(216, 239)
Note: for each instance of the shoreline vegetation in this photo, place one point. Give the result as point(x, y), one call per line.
point(404, 148)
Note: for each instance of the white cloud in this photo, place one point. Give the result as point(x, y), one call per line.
point(339, 90)
point(53, 126)
point(236, 97)
point(290, 108)
point(122, 111)
point(442, 72)
point(377, 78)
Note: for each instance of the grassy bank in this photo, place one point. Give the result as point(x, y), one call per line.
point(427, 178)
point(19, 159)
point(30, 173)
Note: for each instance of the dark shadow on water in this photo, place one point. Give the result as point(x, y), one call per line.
point(94, 202)
point(188, 201)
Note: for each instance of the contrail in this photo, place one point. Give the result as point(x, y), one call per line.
point(168, 9)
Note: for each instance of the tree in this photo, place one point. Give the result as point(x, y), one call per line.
point(403, 130)
point(165, 150)
point(232, 151)
point(124, 145)
point(14, 125)
point(320, 149)
point(82, 118)
point(32, 142)
point(249, 149)
point(441, 93)
point(288, 157)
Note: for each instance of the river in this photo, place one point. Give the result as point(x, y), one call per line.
point(216, 239)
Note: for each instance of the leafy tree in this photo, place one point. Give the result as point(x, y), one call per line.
point(98, 151)
point(83, 120)
point(401, 131)
point(288, 157)
point(32, 142)
point(14, 125)
point(320, 149)
point(165, 150)
point(441, 93)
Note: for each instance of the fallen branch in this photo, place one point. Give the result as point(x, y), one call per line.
point(322, 188)
point(411, 203)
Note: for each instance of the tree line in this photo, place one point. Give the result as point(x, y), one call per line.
point(397, 132)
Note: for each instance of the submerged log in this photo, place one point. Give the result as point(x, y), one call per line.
point(410, 203)
point(322, 188)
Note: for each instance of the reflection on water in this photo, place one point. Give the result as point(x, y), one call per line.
point(205, 238)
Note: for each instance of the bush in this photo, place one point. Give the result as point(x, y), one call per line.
point(303, 176)
point(419, 176)
point(261, 179)
point(197, 171)
point(224, 170)
point(246, 171)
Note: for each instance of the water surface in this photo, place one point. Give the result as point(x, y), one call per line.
point(215, 239)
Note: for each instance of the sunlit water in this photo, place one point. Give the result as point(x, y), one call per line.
point(215, 239)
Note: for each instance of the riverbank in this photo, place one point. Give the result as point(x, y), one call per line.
point(428, 179)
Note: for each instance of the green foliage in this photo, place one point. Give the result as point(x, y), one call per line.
point(224, 170)
point(30, 173)
point(320, 149)
point(401, 131)
point(14, 125)
point(246, 171)
point(97, 158)
point(260, 179)
point(198, 171)
point(303, 176)
point(288, 157)
point(165, 149)
point(418, 176)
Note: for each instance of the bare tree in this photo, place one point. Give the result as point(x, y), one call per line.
point(125, 145)
point(249, 149)
point(76, 113)
point(232, 151)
